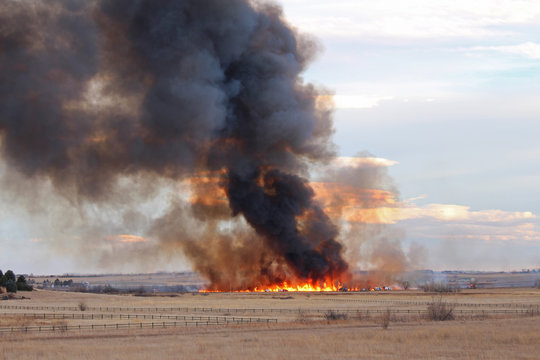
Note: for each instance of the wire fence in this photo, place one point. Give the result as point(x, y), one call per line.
point(132, 325)
point(111, 316)
point(208, 321)
point(530, 308)
point(408, 302)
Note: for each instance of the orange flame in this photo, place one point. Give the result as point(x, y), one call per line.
point(309, 285)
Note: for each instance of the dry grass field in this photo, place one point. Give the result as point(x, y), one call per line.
point(489, 339)
point(488, 324)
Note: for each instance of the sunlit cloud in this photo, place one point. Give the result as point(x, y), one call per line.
point(451, 212)
point(450, 221)
point(128, 238)
point(355, 161)
point(368, 203)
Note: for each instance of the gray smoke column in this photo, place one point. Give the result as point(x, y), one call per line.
point(93, 91)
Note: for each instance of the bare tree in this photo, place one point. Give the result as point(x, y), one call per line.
point(440, 310)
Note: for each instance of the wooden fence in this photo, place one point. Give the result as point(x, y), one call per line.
point(408, 302)
point(153, 325)
point(528, 309)
point(111, 316)
point(212, 320)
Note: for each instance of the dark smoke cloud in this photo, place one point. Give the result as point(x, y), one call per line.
point(96, 92)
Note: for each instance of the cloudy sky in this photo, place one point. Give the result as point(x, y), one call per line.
point(450, 91)
point(446, 93)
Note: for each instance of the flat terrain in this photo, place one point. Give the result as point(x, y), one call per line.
point(489, 324)
point(155, 282)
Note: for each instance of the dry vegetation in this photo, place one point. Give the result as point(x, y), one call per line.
point(391, 325)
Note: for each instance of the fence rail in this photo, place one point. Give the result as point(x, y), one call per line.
point(528, 310)
point(163, 324)
point(228, 320)
point(104, 316)
point(408, 302)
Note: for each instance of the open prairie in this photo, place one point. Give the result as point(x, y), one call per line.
point(487, 324)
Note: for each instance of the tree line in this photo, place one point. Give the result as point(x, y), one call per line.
point(12, 283)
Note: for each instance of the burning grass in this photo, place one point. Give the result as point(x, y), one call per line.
point(305, 287)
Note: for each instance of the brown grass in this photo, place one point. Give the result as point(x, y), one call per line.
point(301, 334)
point(352, 340)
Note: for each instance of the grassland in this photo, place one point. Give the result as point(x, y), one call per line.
point(489, 324)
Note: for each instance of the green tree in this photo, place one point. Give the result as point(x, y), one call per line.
point(22, 285)
point(11, 286)
point(2, 283)
point(9, 275)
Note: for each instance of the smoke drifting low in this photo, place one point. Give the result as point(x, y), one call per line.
point(108, 100)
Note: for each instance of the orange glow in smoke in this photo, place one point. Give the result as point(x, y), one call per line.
point(209, 191)
point(356, 204)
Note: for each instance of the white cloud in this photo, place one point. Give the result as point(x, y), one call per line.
point(410, 19)
point(358, 101)
point(529, 49)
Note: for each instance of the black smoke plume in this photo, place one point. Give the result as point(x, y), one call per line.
point(92, 92)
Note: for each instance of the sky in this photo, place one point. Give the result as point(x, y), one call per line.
point(446, 91)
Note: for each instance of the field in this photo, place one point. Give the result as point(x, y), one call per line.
point(488, 324)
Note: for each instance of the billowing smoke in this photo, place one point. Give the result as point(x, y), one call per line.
point(362, 199)
point(98, 94)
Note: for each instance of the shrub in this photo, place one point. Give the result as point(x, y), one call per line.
point(302, 316)
point(24, 287)
point(62, 326)
point(108, 289)
point(83, 306)
point(440, 310)
point(440, 287)
point(385, 319)
point(405, 284)
point(334, 315)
